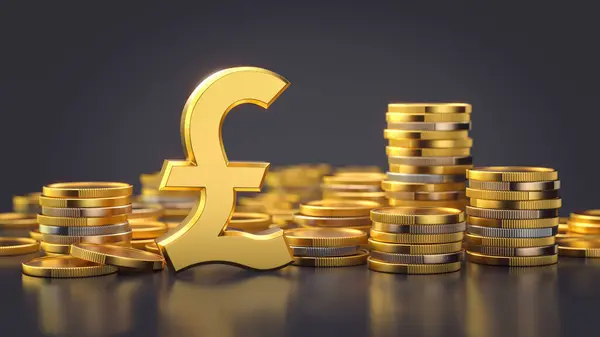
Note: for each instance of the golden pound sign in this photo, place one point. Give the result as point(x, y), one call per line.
point(202, 237)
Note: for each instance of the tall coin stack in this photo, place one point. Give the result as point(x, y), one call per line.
point(416, 240)
point(327, 247)
point(512, 216)
point(84, 212)
point(351, 214)
point(355, 186)
point(429, 152)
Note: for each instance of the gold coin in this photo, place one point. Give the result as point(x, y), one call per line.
point(325, 237)
point(563, 225)
point(84, 203)
point(583, 228)
point(80, 222)
point(315, 221)
point(141, 243)
point(176, 212)
point(351, 188)
point(27, 203)
point(431, 108)
point(459, 204)
point(147, 229)
point(338, 208)
point(86, 212)
point(119, 256)
point(425, 135)
point(419, 229)
point(579, 252)
point(246, 221)
point(51, 248)
point(394, 151)
point(453, 169)
point(512, 261)
point(427, 117)
point(422, 249)
point(476, 240)
point(432, 143)
point(35, 234)
point(511, 204)
point(531, 186)
point(150, 179)
point(17, 220)
point(152, 248)
point(512, 173)
point(356, 178)
point(99, 239)
point(357, 168)
point(395, 268)
point(415, 238)
point(18, 246)
point(417, 215)
point(153, 192)
point(426, 196)
point(64, 267)
point(512, 213)
point(512, 195)
point(589, 216)
point(87, 190)
point(145, 211)
point(398, 186)
point(340, 261)
point(513, 223)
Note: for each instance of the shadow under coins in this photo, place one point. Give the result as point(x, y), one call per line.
point(516, 302)
point(110, 305)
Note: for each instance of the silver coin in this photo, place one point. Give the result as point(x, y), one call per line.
point(512, 232)
point(431, 161)
point(324, 251)
point(426, 178)
point(416, 259)
point(508, 251)
point(515, 186)
point(85, 230)
point(429, 126)
point(419, 229)
point(508, 214)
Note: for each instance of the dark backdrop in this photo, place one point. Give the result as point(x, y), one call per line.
point(94, 90)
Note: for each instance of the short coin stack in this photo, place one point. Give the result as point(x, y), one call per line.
point(327, 247)
point(512, 216)
point(429, 151)
point(355, 186)
point(416, 240)
point(353, 214)
point(582, 238)
point(84, 212)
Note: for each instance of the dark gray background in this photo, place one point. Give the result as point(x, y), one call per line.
point(94, 90)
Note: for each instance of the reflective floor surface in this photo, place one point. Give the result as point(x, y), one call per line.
point(223, 301)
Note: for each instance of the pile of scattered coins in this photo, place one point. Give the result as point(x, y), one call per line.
point(429, 151)
point(176, 204)
point(512, 216)
point(86, 212)
point(416, 240)
point(327, 247)
point(331, 213)
point(355, 186)
point(582, 235)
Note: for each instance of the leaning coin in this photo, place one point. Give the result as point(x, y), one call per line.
point(85, 231)
point(341, 261)
point(416, 259)
point(395, 268)
point(512, 232)
point(426, 178)
point(511, 251)
point(419, 229)
point(324, 251)
point(521, 261)
point(119, 256)
point(64, 266)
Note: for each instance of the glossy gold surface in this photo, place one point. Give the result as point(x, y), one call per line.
point(119, 256)
point(512, 173)
point(18, 246)
point(64, 267)
point(87, 190)
point(202, 237)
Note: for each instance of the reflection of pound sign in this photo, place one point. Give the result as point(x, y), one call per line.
point(202, 237)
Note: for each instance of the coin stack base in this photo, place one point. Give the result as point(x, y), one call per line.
point(429, 152)
point(413, 240)
point(512, 216)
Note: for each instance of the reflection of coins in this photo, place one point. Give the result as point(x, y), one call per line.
point(513, 232)
point(18, 246)
point(332, 221)
point(415, 238)
point(338, 261)
point(325, 237)
point(512, 173)
point(65, 266)
point(325, 251)
point(510, 251)
point(387, 267)
point(338, 208)
point(414, 215)
point(86, 212)
point(419, 229)
point(513, 223)
point(442, 248)
point(119, 256)
point(521, 261)
point(416, 259)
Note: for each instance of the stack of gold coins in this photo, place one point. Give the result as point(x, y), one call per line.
point(512, 216)
point(582, 235)
point(327, 247)
point(331, 213)
point(355, 186)
point(27, 204)
point(84, 212)
point(429, 151)
point(416, 240)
